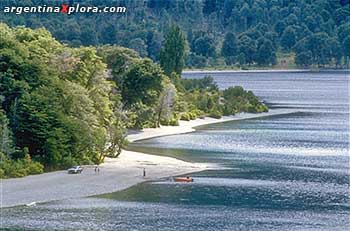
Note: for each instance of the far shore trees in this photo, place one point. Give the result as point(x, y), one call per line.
point(229, 48)
point(206, 24)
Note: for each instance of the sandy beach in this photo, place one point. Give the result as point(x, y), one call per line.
point(115, 174)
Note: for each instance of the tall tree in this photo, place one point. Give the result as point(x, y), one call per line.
point(229, 48)
point(204, 46)
point(143, 83)
point(288, 38)
point(172, 54)
point(303, 59)
point(247, 49)
point(266, 54)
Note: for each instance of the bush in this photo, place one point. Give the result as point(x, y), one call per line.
point(173, 122)
point(185, 116)
point(215, 114)
point(192, 115)
point(2, 173)
point(206, 83)
point(35, 168)
point(239, 100)
point(197, 112)
point(16, 173)
point(263, 108)
point(19, 168)
point(251, 109)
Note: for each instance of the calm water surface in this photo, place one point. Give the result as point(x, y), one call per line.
point(287, 172)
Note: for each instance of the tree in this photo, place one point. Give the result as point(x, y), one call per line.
point(303, 59)
point(280, 27)
point(204, 46)
point(139, 45)
point(266, 54)
point(346, 46)
point(318, 45)
point(166, 102)
point(247, 48)
point(288, 38)
point(245, 14)
point(116, 138)
point(6, 139)
point(142, 83)
point(150, 23)
point(57, 101)
point(173, 53)
point(154, 45)
point(229, 48)
point(209, 6)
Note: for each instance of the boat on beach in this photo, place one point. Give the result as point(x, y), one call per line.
point(183, 179)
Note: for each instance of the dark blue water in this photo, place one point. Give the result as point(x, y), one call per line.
point(287, 172)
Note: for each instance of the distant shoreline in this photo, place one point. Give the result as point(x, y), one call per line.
point(189, 71)
point(115, 174)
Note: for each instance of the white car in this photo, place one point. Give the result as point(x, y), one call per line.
point(75, 170)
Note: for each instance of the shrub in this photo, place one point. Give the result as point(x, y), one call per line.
point(35, 168)
point(215, 114)
point(192, 115)
point(251, 109)
point(173, 122)
point(185, 116)
point(170, 122)
point(197, 112)
point(20, 167)
point(263, 108)
point(18, 172)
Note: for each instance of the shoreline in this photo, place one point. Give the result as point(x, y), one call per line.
point(116, 174)
point(195, 71)
point(190, 126)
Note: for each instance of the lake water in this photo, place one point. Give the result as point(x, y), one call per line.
point(287, 172)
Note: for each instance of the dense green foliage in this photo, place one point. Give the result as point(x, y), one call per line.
point(62, 106)
point(203, 98)
point(237, 100)
point(219, 32)
point(56, 101)
point(172, 56)
point(19, 167)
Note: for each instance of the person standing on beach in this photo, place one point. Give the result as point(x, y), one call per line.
point(144, 172)
point(97, 170)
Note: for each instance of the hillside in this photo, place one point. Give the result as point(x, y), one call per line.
point(219, 33)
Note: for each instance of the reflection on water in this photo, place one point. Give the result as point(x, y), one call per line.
point(105, 214)
point(286, 172)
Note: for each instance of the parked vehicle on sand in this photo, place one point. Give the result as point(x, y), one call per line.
point(75, 170)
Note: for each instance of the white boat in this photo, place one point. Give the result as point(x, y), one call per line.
point(31, 204)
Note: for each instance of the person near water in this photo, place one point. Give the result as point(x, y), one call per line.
point(144, 172)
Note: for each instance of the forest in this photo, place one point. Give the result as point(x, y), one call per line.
point(219, 33)
point(63, 105)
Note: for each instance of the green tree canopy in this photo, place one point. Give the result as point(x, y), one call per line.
point(173, 52)
point(288, 38)
point(229, 48)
